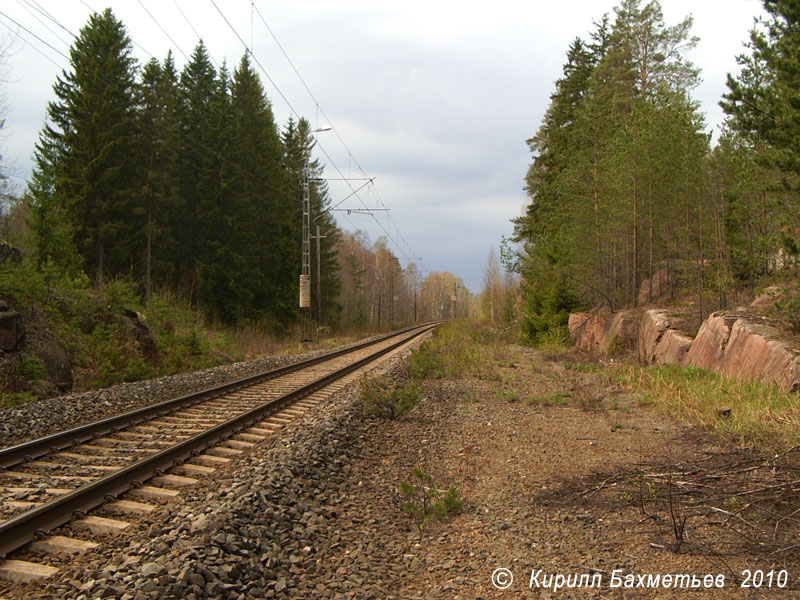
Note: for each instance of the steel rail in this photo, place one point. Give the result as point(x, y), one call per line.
point(26, 451)
point(23, 528)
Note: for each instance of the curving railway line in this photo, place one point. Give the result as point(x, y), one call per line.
point(147, 453)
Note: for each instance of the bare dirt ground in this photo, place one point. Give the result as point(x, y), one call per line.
point(562, 475)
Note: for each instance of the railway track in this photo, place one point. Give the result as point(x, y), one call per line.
point(146, 454)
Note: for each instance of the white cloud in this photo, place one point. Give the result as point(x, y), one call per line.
point(435, 98)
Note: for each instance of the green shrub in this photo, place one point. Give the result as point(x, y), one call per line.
point(383, 399)
point(16, 398)
point(425, 500)
point(32, 368)
point(426, 362)
point(119, 294)
point(457, 349)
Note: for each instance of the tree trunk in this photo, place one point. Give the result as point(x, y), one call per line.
point(651, 236)
point(148, 253)
point(100, 259)
point(635, 279)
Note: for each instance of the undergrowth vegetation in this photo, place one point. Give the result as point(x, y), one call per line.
point(90, 325)
point(425, 499)
point(747, 413)
point(461, 349)
point(383, 398)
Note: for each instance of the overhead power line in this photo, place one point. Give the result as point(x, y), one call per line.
point(396, 238)
point(197, 35)
point(30, 10)
point(217, 154)
point(29, 32)
point(169, 37)
point(409, 253)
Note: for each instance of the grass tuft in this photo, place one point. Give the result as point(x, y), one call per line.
point(747, 413)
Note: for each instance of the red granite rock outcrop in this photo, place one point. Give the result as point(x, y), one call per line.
point(752, 350)
point(588, 329)
point(708, 347)
point(658, 342)
point(622, 333)
point(739, 346)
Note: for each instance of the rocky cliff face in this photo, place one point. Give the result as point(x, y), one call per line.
point(659, 343)
point(18, 341)
point(746, 347)
point(588, 329)
point(736, 345)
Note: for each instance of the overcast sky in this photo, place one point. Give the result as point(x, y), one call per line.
point(434, 99)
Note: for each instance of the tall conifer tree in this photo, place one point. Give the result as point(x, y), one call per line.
point(198, 172)
point(90, 144)
point(159, 148)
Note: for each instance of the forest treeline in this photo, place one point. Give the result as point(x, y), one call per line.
point(183, 181)
point(624, 185)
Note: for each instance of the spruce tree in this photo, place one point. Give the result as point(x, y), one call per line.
point(198, 171)
point(50, 222)
point(764, 99)
point(760, 150)
point(90, 144)
point(159, 149)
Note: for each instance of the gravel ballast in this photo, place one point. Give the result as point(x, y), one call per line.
point(250, 532)
point(50, 415)
point(547, 474)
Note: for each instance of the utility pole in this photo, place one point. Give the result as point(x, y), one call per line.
point(318, 236)
point(305, 263)
point(319, 278)
point(391, 296)
point(305, 272)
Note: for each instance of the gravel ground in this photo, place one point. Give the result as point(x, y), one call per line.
point(544, 457)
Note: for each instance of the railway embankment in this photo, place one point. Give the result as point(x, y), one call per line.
point(22, 422)
point(564, 473)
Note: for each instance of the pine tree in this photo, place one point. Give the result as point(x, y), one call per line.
point(601, 197)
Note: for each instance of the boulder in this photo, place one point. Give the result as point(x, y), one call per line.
point(588, 329)
point(709, 344)
point(621, 334)
point(755, 352)
point(9, 380)
point(134, 322)
point(658, 343)
point(56, 363)
point(576, 321)
point(672, 348)
point(12, 331)
point(654, 323)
